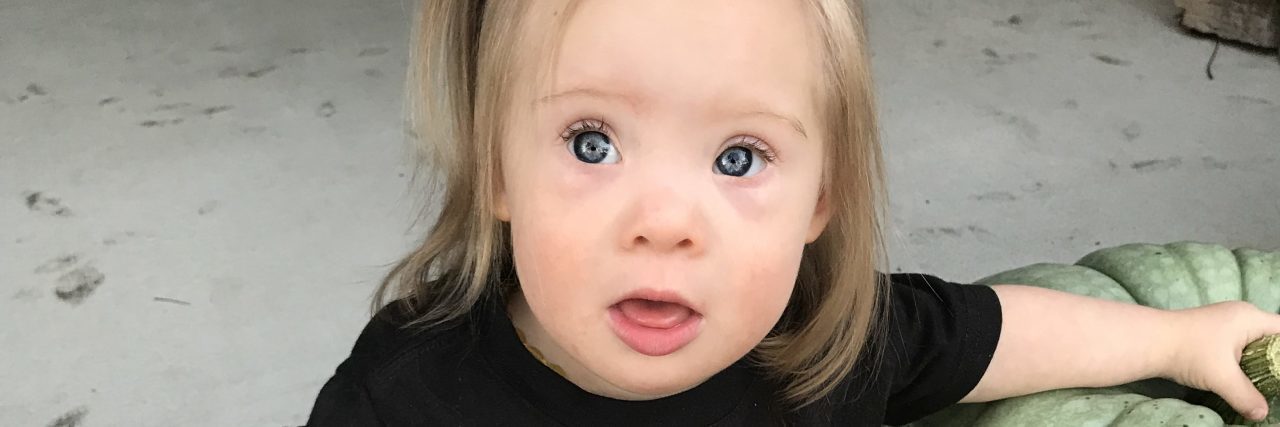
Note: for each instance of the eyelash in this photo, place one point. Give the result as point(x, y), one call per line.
point(598, 125)
point(583, 126)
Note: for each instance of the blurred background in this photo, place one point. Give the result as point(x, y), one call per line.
point(198, 197)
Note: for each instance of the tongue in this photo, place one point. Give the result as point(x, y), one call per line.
point(654, 314)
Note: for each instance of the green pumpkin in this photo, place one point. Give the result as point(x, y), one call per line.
point(1173, 276)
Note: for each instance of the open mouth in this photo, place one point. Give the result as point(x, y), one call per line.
point(654, 324)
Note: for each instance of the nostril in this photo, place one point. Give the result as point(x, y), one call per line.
point(685, 244)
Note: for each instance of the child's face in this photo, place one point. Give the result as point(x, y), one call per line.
point(633, 169)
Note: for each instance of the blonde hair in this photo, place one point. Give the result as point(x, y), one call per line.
point(463, 58)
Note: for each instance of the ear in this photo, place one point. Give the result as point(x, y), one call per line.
point(501, 207)
point(821, 215)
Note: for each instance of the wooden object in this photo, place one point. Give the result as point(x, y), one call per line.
point(1256, 22)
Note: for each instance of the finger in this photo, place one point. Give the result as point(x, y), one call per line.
point(1268, 327)
point(1271, 324)
point(1241, 394)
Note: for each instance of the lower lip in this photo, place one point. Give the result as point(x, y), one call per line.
point(654, 341)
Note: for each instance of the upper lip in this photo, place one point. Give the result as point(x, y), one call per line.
point(663, 295)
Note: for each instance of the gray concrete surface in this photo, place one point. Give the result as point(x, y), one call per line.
point(230, 177)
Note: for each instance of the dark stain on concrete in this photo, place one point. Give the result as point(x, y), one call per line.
point(208, 207)
point(115, 238)
point(260, 72)
point(231, 72)
point(372, 51)
point(37, 201)
point(995, 196)
point(71, 418)
point(1212, 163)
point(1132, 131)
point(977, 230)
point(173, 106)
point(253, 130)
point(1245, 99)
point(948, 231)
point(170, 300)
point(1078, 23)
point(298, 50)
point(1012, 21)
point(215, 110)
point(57, 264)
point(995, 58)
point(25, 295)
point(327, 109)
point(1154, 165)
point(933, 233)
point(160, 123)
point(108, 101)
point(1111, 60)
point(36, 90)
point(370, 72)
point(77, 285)
point(1025, 127)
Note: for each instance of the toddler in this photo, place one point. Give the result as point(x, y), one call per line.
point(670, 212)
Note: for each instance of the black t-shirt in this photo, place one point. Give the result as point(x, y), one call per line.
point(941, 337)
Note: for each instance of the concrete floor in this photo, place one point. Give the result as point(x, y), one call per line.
point(230, 173)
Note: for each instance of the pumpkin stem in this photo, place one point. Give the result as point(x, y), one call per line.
point(1260, 361)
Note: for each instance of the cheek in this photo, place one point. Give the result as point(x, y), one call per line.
point(766, 278)
point(549, 254)
point(556, 249)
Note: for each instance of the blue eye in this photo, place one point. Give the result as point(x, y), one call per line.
point(738, 161)
point(593, 147)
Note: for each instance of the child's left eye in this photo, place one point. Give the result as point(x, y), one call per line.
point(746, 158)
point(738, 161)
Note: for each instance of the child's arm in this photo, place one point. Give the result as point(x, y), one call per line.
point(1051, 340)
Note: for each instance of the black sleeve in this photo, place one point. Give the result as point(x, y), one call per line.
point(344, 400)
point(941, 338)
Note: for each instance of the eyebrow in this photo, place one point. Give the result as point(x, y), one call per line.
point(634, 103)
point(795, 124)
point(589, 92)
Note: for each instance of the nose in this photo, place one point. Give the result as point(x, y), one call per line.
point(665, 220)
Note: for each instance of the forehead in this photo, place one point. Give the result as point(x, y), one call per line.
point(685, 52)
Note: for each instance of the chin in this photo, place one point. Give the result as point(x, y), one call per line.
point(647, 387)
point(652, 378)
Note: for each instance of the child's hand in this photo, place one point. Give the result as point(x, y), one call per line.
point(1207, 355)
